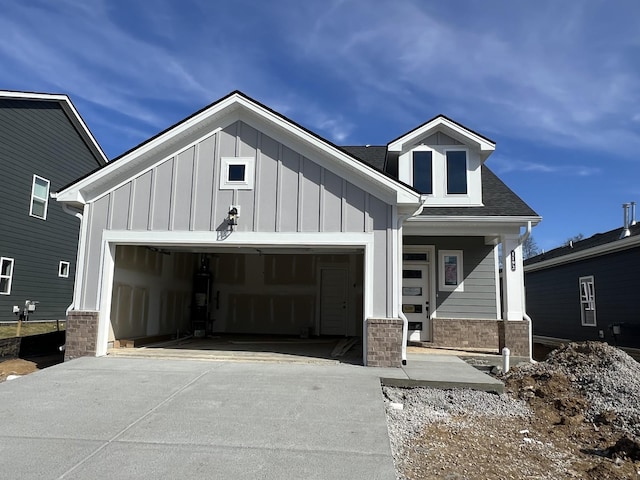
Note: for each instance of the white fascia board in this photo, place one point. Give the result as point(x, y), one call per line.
point(82, 190)
point(623, 244)
point(71, 112)
point(404, 194)
point(485, 146)
point(475, 226)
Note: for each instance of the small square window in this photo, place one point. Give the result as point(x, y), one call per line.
point(451, 270)
point(63, 269)
point(236, 173)
point(6, 275)
point(39, 197)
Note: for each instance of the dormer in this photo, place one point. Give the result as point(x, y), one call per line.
point(442, 159)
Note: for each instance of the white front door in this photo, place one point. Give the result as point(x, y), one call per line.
point(415, 300)
point(333, 300)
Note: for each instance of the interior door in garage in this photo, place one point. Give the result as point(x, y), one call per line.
point(333, 300)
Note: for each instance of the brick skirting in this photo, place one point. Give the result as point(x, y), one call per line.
point(384, 342)
point(476, 333)
point(515, 336)
point(82, 334)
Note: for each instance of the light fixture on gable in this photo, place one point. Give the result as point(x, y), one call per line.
point(232, 218)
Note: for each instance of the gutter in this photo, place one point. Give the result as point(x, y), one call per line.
point(405, 321)
point(79, 267)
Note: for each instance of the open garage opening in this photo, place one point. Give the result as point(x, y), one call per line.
point(298, 302)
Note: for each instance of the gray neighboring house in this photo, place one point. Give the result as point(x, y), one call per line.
point(587, 290)
point(44, 144)
point(239, 220)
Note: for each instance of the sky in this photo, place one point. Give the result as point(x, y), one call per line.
point(556, 84)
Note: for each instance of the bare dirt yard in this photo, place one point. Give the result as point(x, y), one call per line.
point(20, 366)
point(574, 416)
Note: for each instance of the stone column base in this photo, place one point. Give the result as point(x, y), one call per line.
point(465, 333)
point(82, 334)
point(384, 342)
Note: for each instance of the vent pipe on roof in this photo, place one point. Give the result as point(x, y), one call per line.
point(633, 214)
point(625, 230)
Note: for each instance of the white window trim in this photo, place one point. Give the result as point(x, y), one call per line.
point(33, 196)
point(587, 296)
point(61, 270)
point(460, 271)
point(249, 169)
point(466, 169)
point(10, 276)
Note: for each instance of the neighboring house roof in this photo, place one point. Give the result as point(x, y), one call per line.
point(71, 112)
point(209, 115)
point(596, 245)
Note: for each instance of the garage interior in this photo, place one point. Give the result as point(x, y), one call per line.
point(291, 302)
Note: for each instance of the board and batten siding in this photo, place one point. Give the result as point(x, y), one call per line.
point(36, 137)
point(291, 194)
point(553, 298)
point(478, 300)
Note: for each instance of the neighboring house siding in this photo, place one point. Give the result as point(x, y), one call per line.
point(36, 137)
point(478, 299)
point(553, 298)
point(291, 194)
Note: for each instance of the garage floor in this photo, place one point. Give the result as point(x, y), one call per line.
point(250, 348)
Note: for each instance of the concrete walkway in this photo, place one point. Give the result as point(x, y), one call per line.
point(120, 418)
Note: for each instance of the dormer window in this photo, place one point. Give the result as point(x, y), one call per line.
point(423, 171)
point(456, 172)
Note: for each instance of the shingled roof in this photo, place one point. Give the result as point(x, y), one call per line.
point(599, 239)
point(498, 199)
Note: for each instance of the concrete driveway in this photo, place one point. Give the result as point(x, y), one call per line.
point(123, 418)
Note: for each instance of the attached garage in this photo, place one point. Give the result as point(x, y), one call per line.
point(295, 236)
point(170, 291)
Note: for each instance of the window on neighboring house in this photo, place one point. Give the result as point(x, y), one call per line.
point(6, 275)
point(587, 302)
point(456, 172)
point(63, 269)
point(450, 269)
point(39, 197)
point(423, 171)
point(236, 173)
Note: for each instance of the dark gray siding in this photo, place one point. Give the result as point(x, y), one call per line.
point(553, 298)
point(36, 137)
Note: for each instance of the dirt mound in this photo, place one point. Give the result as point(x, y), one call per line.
point(590, 381)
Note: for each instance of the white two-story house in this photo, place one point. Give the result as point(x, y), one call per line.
point(238, 220)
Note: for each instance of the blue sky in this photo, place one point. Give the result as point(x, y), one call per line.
point(555, 84)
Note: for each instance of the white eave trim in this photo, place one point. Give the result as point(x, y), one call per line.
point(475, 219)
point(403, 194)
point(71, 112)
point(400, 144)
point(610, 247)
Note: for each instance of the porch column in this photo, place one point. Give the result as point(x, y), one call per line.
point(512, 278)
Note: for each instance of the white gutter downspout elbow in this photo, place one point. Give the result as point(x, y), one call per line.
point(405, 320)
point(523, 238)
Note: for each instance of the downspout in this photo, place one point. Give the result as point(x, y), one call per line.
point(405, 320)
point(522, 239)
point(79, 216)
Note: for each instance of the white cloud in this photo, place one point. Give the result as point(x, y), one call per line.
point(503, 165)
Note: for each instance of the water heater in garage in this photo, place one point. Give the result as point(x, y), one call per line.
point(201, 298)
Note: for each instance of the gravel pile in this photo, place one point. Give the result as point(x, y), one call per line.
point(409, 410)
point(607, 377)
